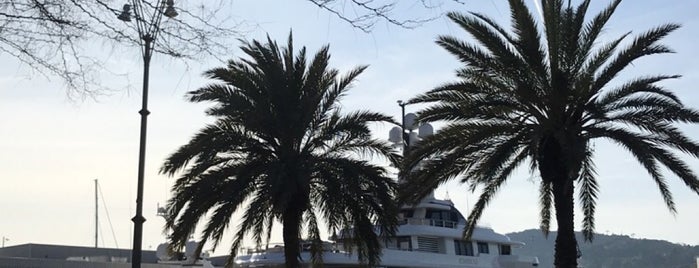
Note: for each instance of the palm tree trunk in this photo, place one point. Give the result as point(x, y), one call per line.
point(291, 221)
point(566, 255)
point(554, 169)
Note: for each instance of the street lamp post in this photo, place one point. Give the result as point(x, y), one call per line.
point(406, 131)
point(404, 136)
point(148, 26)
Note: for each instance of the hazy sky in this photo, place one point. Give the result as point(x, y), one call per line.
point(51, 148)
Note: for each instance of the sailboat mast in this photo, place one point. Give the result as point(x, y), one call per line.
point(96, 215)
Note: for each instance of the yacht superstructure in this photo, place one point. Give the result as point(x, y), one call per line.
point(429, 235)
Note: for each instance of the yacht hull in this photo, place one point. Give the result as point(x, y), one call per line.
point(395, 259)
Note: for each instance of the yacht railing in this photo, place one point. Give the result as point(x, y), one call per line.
point(279, 247)
point(428, 222)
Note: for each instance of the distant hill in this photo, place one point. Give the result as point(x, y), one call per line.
point(611, 251)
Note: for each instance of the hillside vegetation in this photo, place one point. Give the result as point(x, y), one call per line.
point(612, 251)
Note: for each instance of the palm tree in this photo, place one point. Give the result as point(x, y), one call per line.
point(281, 150)
point(526, 96)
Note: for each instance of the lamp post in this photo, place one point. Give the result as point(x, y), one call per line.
point(405, 135)
point(148, 26)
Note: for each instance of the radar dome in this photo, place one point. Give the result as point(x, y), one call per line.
point(394, 135)
point(163, 252)
point(425, 130)
point(410, 120)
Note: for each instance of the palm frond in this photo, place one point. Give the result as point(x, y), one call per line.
point(468, 54)
point(314, 236)
point(679, 167)
point(456, 150)
point(644, 151)
point(528, 41)
point(588, 189)
point(216, 226)
point(552, 27)
point(645, 44)
point(191, 202)
point(491, 188)
point(253, 222)
point(545, 201)
point(493, 160)
point(639, 85)
point(596, 25)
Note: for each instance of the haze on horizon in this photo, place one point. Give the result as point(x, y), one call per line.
point(52, 148)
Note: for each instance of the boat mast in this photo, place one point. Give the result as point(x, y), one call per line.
point(96, 215)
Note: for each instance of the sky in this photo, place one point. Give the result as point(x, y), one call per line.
point(53, 147)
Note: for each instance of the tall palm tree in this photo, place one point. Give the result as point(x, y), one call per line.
point(281, 150)
point(526, 96)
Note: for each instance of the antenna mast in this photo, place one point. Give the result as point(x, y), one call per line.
point(96, 215)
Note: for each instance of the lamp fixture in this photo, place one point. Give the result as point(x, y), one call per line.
point(125, 13)
point(170, 11)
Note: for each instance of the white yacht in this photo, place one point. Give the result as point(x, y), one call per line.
point(429, 235)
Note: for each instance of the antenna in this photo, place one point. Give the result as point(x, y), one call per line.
point(161, 211)
point(96, 214)
point(538, 8)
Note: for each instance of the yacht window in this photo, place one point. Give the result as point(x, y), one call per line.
point(505, 250)
point(440, 215)
point(403, 243)
point(456, 215)
point(442, 218)
point(464, 248)
point(483, 248)
point(406, 214)
point(453, 216)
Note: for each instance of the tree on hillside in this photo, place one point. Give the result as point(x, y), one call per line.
point(542, 98)
point(56, 38)
point(281, 150)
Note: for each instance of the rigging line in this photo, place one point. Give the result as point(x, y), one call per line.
point(98, 229)
point(538, 9)
point(131, 211)
point(496, 8)
point(101, 235)
point(97, 221)
point(109, 219)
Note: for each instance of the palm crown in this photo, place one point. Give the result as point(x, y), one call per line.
point(281, 149)
point(527, 97)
